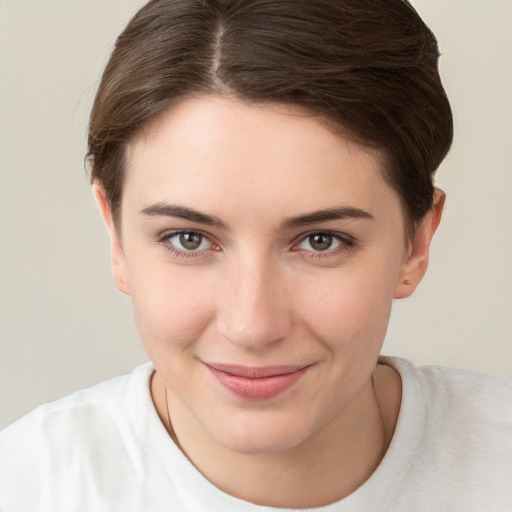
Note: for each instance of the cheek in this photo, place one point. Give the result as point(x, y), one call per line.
point(171, 308)
point(351, 310)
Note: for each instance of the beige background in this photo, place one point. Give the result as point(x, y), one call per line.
point(63, 325)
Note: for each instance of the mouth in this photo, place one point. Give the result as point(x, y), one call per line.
point(257, 383)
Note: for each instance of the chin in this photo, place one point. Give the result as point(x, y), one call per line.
point(262, 437)
point(262, 446)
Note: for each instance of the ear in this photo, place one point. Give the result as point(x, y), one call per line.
point(414, 268)
point(117, 258)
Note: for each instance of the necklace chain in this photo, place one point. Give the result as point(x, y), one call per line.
point(381, 417)
point(171, 429)
point(167, 410)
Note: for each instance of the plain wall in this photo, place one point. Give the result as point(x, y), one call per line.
point(63, 324)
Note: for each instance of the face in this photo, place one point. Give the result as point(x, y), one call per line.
point(262, 254)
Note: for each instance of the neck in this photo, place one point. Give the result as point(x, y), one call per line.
point(324, 468)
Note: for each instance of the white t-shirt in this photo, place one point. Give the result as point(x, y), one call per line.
point(105, 449)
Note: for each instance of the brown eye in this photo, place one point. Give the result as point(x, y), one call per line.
point(190, 241)
point(320, 241)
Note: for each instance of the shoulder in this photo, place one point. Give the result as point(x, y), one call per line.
point(457, 426)
point(457, 409)
point(59, 434)
point(455, 391)
point(81, 407)
point(461, 395)
point(470, 412)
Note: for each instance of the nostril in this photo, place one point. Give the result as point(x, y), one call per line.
point(254, 330)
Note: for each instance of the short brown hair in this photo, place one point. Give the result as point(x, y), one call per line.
point(370, 66)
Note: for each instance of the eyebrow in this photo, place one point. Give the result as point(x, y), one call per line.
point(341, 213)
point(183, 212)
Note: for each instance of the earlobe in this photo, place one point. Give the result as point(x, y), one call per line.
point(414, 268)
point(117, 258)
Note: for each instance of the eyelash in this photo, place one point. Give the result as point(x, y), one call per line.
point(346, 242)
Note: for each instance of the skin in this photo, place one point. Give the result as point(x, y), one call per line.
point(258, 292)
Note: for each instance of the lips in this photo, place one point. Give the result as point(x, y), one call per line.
point(257, 383)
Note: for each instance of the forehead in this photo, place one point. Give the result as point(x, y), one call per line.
point(253, 156)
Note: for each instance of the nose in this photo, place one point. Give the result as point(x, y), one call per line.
point(254, 311)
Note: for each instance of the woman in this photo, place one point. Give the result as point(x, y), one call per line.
point(265, 170)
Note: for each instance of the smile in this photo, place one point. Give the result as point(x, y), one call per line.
point(257, 383)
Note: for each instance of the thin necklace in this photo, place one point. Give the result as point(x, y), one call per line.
point(167, 409)
point(381, 418)
point(174, 437)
